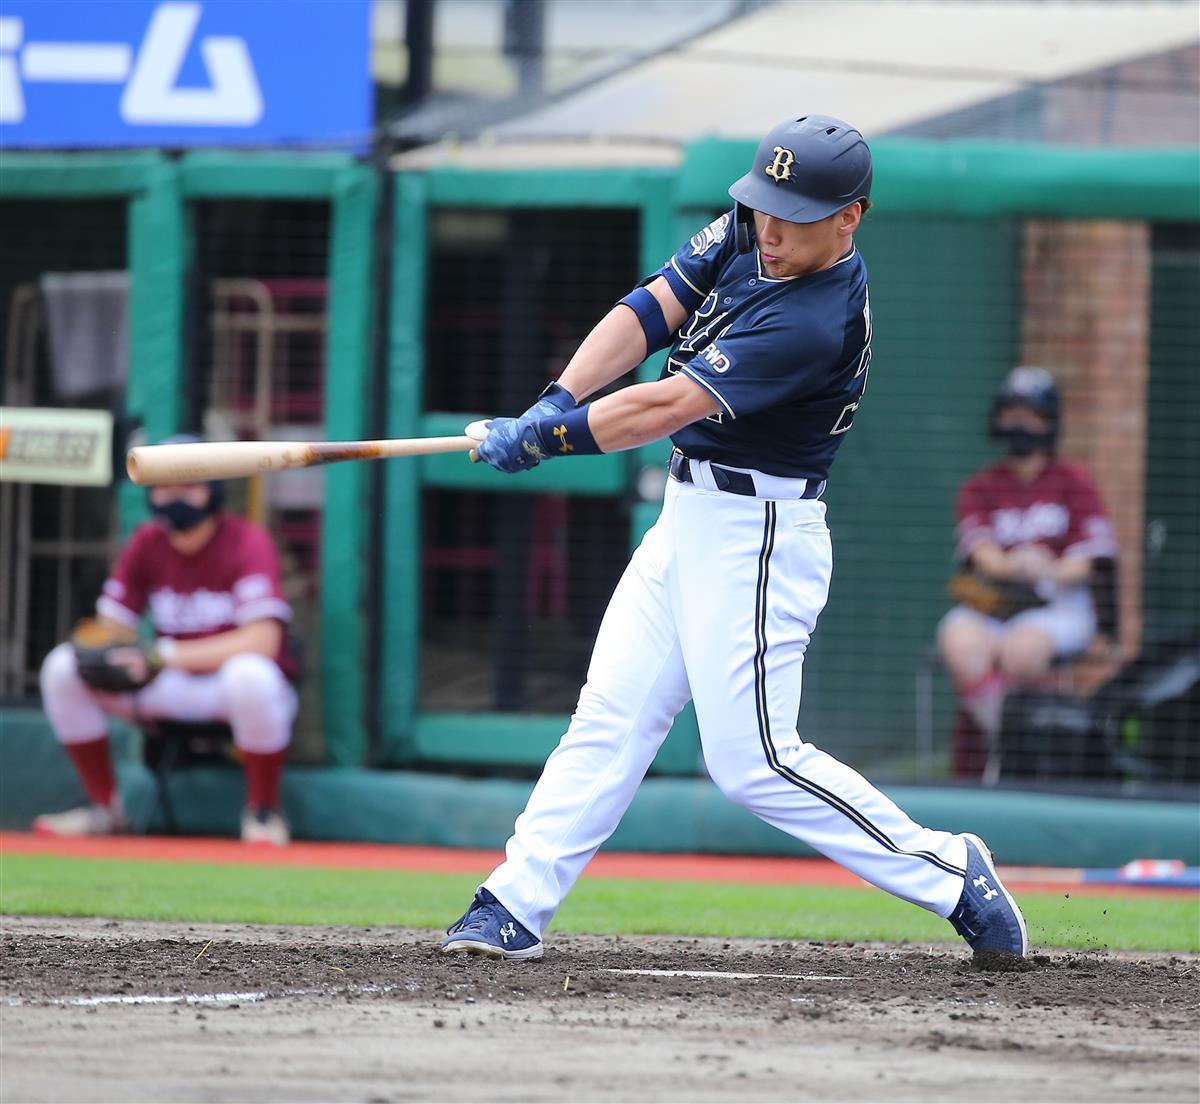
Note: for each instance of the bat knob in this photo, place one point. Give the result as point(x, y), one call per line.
point(477, 431)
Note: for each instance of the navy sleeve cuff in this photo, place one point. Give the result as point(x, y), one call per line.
point(689, 296)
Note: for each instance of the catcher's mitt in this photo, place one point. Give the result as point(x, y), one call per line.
point(112, 658)
point(1001, 600)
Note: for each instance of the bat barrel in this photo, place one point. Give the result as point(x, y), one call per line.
point(150, 465)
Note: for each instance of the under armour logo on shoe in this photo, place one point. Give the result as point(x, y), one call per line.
point(982, 883)
point(508, 931)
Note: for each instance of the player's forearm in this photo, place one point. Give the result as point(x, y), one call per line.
point(617, 344)
point(210, 653)
point(1072, 570)
point(647, 412)
point(991, 559)
point(614, 347)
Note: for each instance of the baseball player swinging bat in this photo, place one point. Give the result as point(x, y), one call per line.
point(150, 465)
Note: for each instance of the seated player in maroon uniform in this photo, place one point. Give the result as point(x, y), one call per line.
point(1031, 518)
point(210, 582)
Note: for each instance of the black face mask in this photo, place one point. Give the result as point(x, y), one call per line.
point(1023, 442)
point(180, 516)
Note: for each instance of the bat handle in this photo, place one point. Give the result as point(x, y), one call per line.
point(478, 431)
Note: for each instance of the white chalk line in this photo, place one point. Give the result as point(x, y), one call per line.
point(190, 998)
point(187, 998)
point(733, 975)
point(146, 998)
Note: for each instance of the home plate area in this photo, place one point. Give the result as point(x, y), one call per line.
point(107, 1010)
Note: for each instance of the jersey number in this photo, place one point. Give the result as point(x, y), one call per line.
point(846, 418)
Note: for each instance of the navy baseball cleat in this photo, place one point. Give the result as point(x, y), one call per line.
point(487, 928)
point(986, 915)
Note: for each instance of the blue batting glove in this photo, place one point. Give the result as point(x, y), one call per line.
point(554, 400)
point(512, 446)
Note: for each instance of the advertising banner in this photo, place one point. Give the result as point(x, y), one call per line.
point(107, 73)
point(40, 445)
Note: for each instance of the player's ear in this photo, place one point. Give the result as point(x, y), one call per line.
point(849, 218)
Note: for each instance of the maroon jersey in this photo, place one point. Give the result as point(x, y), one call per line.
point(1060, 510)
point(232, 580)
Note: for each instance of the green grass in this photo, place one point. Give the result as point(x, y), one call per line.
point(51, 885)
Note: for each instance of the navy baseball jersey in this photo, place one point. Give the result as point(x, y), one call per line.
point(786, 359)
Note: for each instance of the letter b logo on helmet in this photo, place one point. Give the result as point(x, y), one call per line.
point(805, 170)
point(780, 169)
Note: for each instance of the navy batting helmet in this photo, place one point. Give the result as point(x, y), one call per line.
point(805, 170)
point(1030, 387)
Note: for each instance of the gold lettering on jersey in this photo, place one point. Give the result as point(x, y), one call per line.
point(561, 433)
point(780, 169)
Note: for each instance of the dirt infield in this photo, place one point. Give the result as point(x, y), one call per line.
point(265, 1013)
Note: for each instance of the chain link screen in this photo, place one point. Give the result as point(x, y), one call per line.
point(514, 584)
point(258, 313)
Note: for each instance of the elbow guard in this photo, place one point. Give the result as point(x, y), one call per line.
point(650, 315)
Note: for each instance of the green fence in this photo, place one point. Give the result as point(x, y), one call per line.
point(956, 302)
point(484, 738)
point(947, 246)
point(158, 190)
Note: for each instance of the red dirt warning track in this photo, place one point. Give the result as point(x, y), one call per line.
point(746, 870)
point(445, 860)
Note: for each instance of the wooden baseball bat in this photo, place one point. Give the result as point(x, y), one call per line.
point(151, 465)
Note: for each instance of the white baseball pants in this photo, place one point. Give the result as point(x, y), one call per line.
point(249, 692)
point(718, 605)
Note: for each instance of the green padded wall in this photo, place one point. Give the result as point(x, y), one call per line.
point(684, 815)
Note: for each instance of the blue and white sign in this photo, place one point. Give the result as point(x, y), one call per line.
point(184, 73)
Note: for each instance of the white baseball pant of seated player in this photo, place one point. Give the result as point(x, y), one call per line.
point(249, 692)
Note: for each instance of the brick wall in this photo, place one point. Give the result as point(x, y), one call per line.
point(1086, 318)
